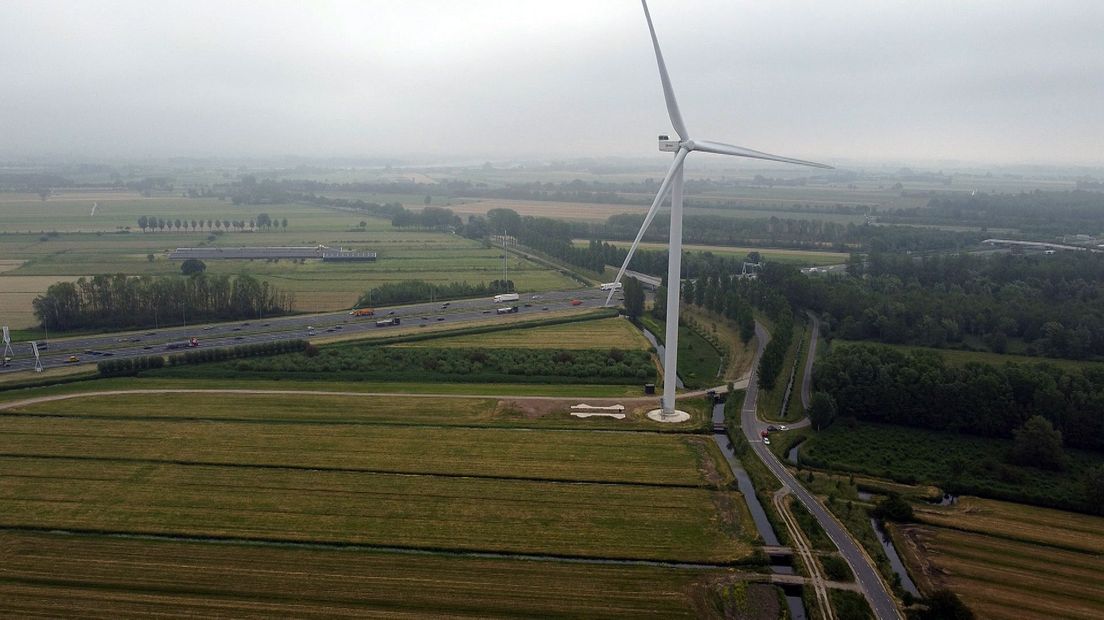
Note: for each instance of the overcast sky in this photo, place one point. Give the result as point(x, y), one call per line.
point(975, 81)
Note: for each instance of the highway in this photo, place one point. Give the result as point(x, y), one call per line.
point(874, 589)
point(93, 348)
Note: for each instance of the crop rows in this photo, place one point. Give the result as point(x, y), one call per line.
point(431, 512)
point(64, 576)
point(1000, 578)
point(567, 455)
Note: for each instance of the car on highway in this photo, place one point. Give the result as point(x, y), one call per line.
point(766, 441)
point(781, 427)
point(576, 302)
point(772, 428)
point(440, 318)
point(73, 359)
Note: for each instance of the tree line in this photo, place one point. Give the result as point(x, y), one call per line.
point(409, 291)
point(120, 301)
point(262, 222)
point(1038, 212)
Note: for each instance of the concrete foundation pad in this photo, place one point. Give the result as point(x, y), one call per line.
point(668, 417)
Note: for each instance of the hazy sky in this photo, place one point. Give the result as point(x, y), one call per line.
point(990, 81)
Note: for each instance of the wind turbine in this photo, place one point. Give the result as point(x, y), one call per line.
point(673, 182)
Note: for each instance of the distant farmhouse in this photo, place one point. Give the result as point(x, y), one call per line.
point(241, 252)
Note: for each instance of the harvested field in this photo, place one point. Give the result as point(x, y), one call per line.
point(1055, 528)
point(648, 458)
point(59, 575)
point(999, 578)
point(600, 334)
point(428, 512)
point(17, 293)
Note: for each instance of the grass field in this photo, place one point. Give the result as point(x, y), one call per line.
point(340, 469)
point(649, 458)
point(126, 578)
point(1010, 561)
point(429, 512)
point(793, 257)
point(600, 334)
point(388, 387)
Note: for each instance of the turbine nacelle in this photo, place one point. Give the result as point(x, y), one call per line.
point(667, 145)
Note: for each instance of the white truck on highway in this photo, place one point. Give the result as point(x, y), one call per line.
point(506, 297)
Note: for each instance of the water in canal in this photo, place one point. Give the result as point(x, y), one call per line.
point(758, 515)
point(660, 351)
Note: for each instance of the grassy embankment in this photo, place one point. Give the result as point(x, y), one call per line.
point(699, 361)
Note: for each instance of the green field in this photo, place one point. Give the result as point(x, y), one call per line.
point(56, 575)
point(600, 334)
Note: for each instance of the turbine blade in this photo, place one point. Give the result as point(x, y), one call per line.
point(663, 187)
point(668, 91)
point(739, 151)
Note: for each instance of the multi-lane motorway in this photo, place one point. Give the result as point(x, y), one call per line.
point(157, 341)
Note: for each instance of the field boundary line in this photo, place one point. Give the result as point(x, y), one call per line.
point(355, 470)
point(411, 550)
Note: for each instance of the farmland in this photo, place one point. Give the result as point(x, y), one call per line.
point(136, 578)
point(1010, 561)
point(793, 257)
point(600, 334)
point(643, 458)
point(188, 487)
point(59, 240)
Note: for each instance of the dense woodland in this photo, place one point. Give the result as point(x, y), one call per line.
point(119, 301)
point(917, 388)
point(1054, 304)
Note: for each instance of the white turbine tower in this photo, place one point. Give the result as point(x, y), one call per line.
point(673, 182)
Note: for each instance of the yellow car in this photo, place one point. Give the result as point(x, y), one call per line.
point(72, 359)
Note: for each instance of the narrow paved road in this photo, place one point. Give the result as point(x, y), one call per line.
point(874, 589)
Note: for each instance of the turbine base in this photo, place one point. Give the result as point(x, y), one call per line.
point(668, 417)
